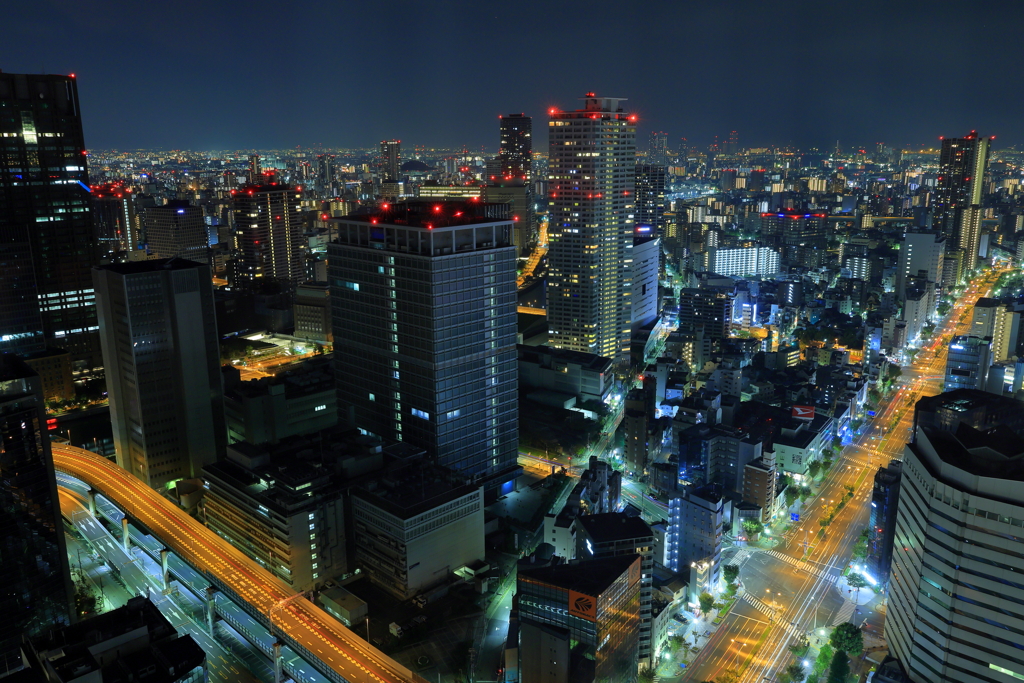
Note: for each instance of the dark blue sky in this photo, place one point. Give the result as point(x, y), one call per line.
point(228, 75)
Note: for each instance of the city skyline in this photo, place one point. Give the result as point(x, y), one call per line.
point(837, 82)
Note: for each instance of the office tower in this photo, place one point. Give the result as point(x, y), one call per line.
point(749, 261)
point(118, 230)
point(760, 479)
point(882, 526)
point(313, 312)
point(517, 195)
point(292, 524)
point(967, 362)
point(177, 229)
point(37, 593)
point(991, 318)
point(704, 309)
point(789, 228)
point(390, 159)
point(160, 351)
point(650, 197)
point(590, 234)
point(268, 232)
point(962, 163)
point(516, 151)
point(255, 175)
point(955, 596)
point(616, 534)
point(424, 315)
point(579, 621)
point(325, 174)
point(657, 150)
point(695, 537)
point(921, 255)
point(644, 270)
point(47, 238)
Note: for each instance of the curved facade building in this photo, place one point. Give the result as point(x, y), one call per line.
point(956, 593)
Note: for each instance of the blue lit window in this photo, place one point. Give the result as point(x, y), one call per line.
point(421, 413)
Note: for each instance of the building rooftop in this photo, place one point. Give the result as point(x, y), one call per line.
point(433, 214)
point(613, 526)
point(590, 577)
point(151, 266)
point(996, 453)
point(587, 361)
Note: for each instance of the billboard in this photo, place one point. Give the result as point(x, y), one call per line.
point(582, 606)
point(803, 412)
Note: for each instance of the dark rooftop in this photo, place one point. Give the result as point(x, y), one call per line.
point(613, 526)
point(152, 266)
point(590, 577)
point(997, 453)
point(588, 361)
point(433, 214)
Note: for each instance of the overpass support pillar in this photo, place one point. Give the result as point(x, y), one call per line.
point(211, 607)
point(124, 533)
point(163, 568)
point(92, 502)
point(277, 661)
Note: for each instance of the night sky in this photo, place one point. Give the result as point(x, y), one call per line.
point(219, 75)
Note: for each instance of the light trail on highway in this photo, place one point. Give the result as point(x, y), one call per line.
point(342, 652)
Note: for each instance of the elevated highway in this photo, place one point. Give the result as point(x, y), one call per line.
point(342, 656)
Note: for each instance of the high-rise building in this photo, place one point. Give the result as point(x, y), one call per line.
point(268, 232)
point(47, 239)
point(882, 527)
point(615, 534)
point(991, 318)
point(160, 351)
point(956, 598)
point(37, 594)
point(177, 229)
point(704, 309)
point(921, 255)
point(962, 163)
point(579, 621)
point(516, 151)
point(592, 180)
point(969, 236)
point(517, 195)
point(645, 267)
point(658, 151)
point(695, 536)
point(325, 174)
point(650, 197)
point(967, 362)
point(749, 261)
point(424, 315)
point(390, 159)
point(118, 229)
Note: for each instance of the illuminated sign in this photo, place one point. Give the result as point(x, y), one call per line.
point(590, 548)
point(803, 412)
point(582, 606)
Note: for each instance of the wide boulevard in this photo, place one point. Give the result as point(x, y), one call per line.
point(790, 591)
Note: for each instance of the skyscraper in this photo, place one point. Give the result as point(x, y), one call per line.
point(268, 232)
point(162, 361)
point(962, 164)
point(920, 255)
point(968, 362)
point(955, 596)
point(424, 314)
point(592, 181)
point(36, 592)
point(390, 159)
point(516, 152)
point(882, 527)
point(47, 239)
point(177, 229)
point(650, 197)
point(118, 229)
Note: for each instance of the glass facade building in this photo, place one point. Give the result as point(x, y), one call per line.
point(35, 581)
point(47, 239)
point(593, 607)
point(423, 309)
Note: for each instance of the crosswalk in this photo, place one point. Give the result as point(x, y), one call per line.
point(768, 611)
point(844, 613)
point(740, 556)
point(829, 578)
